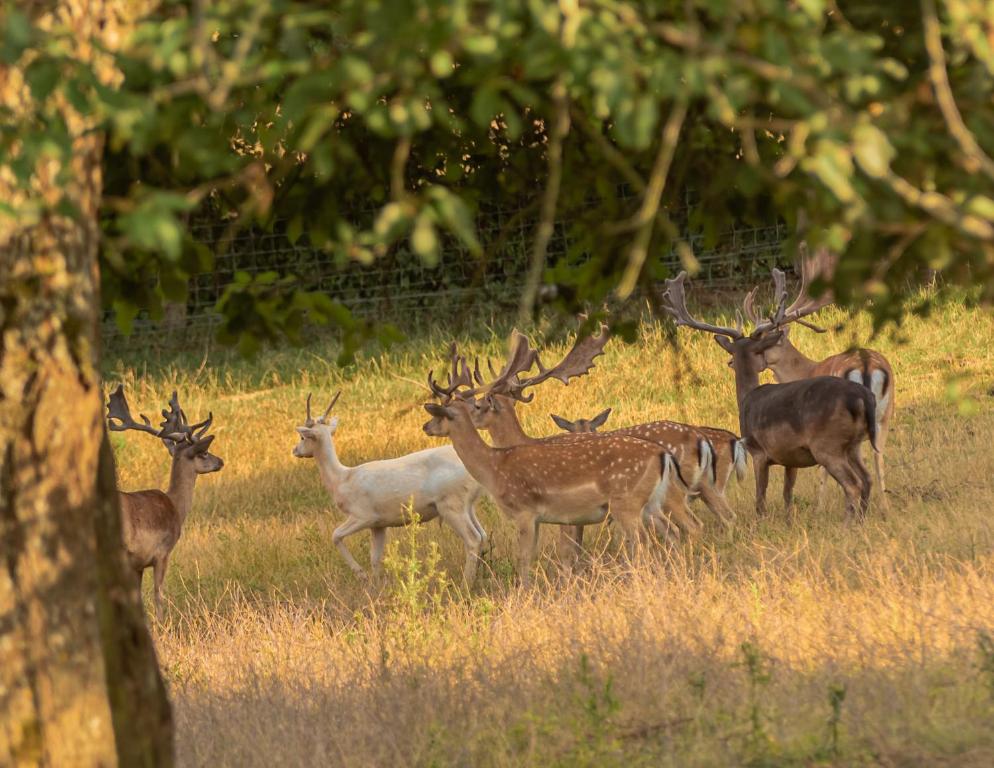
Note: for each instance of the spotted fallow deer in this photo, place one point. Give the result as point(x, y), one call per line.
point(560, 483)
point(729, 449)
point(864, 366)
point(151, 520)
point(390, 493)
point(692, 451)
point(817, 421)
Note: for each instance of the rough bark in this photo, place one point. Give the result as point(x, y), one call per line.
point(79, 681)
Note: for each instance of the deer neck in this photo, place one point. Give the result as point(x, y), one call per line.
point(473, 452)
point(745, 382)
point(507, 431)
point(182, 479)
point(793, 365)
point(333, 472)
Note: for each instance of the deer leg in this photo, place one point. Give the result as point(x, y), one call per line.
point(376, 552)
point(679, 512)
point(865, 482)
point(762, 466)
point(461, 521)
point(823, 475)
point(878, 464)
point(841, 470)
point(346, 529)
point(527, 545)
point(158, 574)
point(716, 502)
point(789, 478)
point(475, 521)
point(570, 544)
point(630, 523)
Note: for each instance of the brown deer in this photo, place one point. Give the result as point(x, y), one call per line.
point(559, 483)
point(822, 420)
point(864, 366)
point(729, 449)
point(152, 521)
point(693, 452)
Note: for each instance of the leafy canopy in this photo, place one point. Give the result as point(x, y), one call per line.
point(369, 124)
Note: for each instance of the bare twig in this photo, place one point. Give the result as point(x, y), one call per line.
point(550, 198)
point(939, 76)
point(653, 195)
point(398, 166)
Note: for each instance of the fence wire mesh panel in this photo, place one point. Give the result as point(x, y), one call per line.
point(401, 288)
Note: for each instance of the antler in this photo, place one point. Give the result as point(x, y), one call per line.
point(310, 421)
point(176, 428)
point(578, 362)
point(459, 376)
point(117, 409)
point(675, 302)
point(820, 265)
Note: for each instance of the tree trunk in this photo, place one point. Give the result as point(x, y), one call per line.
point(79, 681)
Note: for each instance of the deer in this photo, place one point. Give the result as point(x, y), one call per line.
point(863, 366)
point(391, 493)
point(576, 482)
point(816, 421)
point(729, 449)
point(152, 520)
point(693, 453)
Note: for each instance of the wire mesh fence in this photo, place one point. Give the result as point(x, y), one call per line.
point(400, 287)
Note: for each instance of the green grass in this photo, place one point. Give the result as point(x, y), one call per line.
point(787, 642)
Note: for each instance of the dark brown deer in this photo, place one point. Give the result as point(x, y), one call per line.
point(864, 366)
point(495, 412)
point(151, 520)
point(820, 421)
point(564, 483)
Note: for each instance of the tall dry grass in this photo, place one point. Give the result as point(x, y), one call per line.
point(787, 641)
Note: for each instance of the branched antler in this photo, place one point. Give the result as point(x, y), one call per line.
point(510, 381)
point(117, 410)
point(675, 302)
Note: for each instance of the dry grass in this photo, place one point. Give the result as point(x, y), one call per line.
point(788, 642)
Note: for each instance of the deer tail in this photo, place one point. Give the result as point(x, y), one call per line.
point(740, 457)
point(671, 467)
point(870, 405)
point(706, 462)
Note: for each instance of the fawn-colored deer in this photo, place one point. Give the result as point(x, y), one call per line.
point(152, 520)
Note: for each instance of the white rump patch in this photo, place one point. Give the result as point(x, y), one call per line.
point(878, 380)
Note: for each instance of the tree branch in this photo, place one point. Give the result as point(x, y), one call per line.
point(653, 195)
point(550, 198)
point(939, 76)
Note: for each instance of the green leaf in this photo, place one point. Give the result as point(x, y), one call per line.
point(424, 241)
point(42, 76)
point(17, 34)
point(872, 149)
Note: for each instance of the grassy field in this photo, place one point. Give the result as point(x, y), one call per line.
point(786, 642)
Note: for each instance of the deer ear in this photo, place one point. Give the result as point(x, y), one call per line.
point(333, 424)
point(770, 341)
point(201, 446)
point(725, 343)
point(306, 432)
point(439, 411)
point(600, 418)
point(562, 423)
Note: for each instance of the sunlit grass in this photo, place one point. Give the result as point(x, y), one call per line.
point(724, 651)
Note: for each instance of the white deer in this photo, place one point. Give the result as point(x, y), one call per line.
point(394, 492)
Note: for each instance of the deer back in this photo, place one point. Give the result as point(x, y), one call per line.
point(792, 422)
point(596, 468)
point(867, 367)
